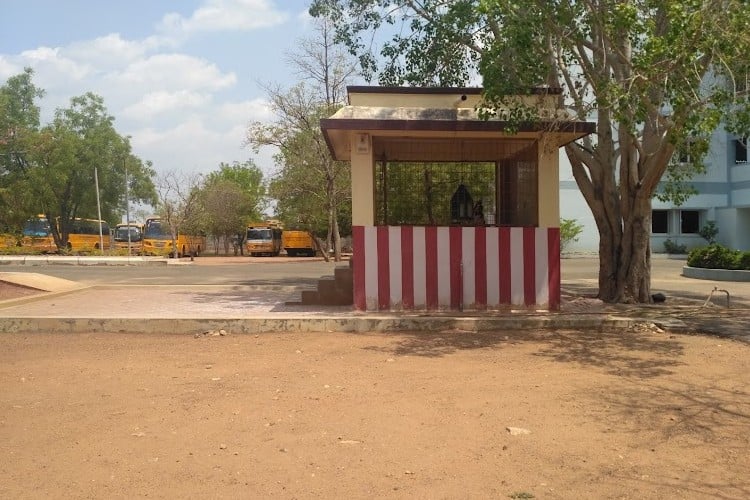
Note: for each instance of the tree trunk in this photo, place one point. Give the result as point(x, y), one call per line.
point(625, 256)
point(623, 219)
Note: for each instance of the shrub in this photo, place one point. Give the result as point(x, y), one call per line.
point(569, 231)
point(718, 257)
point(744, 261)
point(674, 248)
point(709, 231)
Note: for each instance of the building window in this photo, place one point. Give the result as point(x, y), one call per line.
point(660, 222)
point(689, 221)
point(740, 150)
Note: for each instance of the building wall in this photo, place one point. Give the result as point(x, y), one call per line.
point(723, 197)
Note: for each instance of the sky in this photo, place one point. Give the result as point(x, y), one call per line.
point(182, 78)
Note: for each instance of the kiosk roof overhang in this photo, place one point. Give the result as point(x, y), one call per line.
point(386, 125)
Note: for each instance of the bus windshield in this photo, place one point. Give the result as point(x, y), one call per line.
point(258, 234)
point(36, 227)
point(155, 230)
point(121, 234)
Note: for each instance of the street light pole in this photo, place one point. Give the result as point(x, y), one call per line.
point(127, 203)
point(99, 211)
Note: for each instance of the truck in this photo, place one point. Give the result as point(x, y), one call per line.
point(297, 243)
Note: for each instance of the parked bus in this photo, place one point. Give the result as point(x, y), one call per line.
point(264, 239)
point(157, 240)
point(85, 234)
point(297, 243)
point(131, 234)
point(37, 235)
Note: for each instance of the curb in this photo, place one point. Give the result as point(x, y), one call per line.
point(56, 260)
point(319, 324)
point(716, 274)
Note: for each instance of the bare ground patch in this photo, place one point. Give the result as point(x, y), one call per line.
point(412, 415)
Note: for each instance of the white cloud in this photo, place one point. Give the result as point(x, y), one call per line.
point(8, 68)
point(245, 111)
point(52, 60)
point(176, 71)
point(155, 103)
point(223, 15)
point(110, 50)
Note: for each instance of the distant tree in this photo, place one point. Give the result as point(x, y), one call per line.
point(233, 196)
point(179, 205)
point(226, 207)
point(309, 186)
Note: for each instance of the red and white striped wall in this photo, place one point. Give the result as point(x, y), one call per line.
point(435, 268)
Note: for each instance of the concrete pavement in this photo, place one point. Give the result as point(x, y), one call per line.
point(69, 307)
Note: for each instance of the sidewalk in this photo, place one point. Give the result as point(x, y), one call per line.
point(69, 307)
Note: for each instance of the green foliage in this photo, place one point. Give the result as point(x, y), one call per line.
point(709, 231)
point(673, 248)
point(53, 169)
point(420, 193)
point(569, 231)
point(248, 178)
point(718, 257)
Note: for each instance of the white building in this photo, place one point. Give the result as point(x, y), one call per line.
point(724, 197)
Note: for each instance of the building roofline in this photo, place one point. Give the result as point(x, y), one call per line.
point(365, 89)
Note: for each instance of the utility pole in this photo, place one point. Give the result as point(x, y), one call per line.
point(127, 202)
point(99, 211)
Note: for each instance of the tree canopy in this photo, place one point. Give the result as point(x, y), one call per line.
point(54, 169)
point(655, 75)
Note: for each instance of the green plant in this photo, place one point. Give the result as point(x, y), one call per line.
point(521, 495)
point(673, 248)
point(718, 257)
point(569, 231)
point(709, 231)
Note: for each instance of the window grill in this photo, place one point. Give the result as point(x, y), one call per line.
point(447, 193)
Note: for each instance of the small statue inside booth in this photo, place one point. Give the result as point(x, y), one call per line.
point(461, 206)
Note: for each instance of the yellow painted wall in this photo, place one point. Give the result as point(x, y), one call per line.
point(549, 184)
point(363, 178)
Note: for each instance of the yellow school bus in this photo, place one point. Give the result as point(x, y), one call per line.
point(297, 243)
point(131, 234)
point(264, 239)
point(37, 235)
point(157, 240)
point(85, 234)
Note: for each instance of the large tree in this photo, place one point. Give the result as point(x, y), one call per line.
point(309, 182)
point(54, 169)
point(655, 75)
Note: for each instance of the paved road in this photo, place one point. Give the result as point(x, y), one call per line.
point(235, 271)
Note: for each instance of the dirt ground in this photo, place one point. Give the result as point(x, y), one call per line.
point(564, 414)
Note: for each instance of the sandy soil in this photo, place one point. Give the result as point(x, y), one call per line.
point(628, 415)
